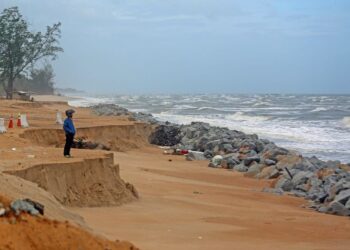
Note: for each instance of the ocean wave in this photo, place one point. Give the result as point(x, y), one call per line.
point(88, 101)
point(346, 121)
point(240, 116)
point(319, 109)
point(262, 104)
point(184, 106)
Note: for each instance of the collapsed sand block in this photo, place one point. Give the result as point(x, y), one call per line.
point(2, 126)
point(116, 137)
point(85, 183)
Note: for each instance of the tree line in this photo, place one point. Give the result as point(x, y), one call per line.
point(21, 50)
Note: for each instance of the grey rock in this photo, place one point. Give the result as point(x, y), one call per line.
point(165, 135)
point(253, 170)
point(315, 182)
point(19, 206)
point(227, 148)
point(278, 191)
point(208, 154)
point(323, 209)
point(338, 209)
point(241, 168)
point(259, 146)
point(343, 196)
point(298, 193)
point(301, 177)
point(195, 156)
point(347, 204)
point(269, 162)
point(285, 184)
point(250, 160)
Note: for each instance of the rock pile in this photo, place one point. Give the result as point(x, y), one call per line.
point(325, 184)
point(115, 110)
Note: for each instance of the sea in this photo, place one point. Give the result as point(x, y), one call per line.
point(314, 125)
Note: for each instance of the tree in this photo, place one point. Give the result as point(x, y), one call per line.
point(40, 81)
point(20, 48)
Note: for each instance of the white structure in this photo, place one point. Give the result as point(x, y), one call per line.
point(24, 122)
point(2, 126)
point(59, 118)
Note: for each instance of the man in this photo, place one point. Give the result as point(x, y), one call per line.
point(69, 129)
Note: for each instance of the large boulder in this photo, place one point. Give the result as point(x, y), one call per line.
point(165, 135)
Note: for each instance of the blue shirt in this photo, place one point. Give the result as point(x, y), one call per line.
point(68, 126)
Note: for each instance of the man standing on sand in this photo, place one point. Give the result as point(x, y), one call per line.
point(69, 129)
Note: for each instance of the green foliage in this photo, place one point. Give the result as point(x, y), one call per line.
point(39, 82)
point(20, 48)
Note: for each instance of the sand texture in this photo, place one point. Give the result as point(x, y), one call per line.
point(136, 193)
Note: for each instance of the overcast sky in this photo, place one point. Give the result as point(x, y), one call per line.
point(198, 46)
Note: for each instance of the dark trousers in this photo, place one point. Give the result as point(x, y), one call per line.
point(69, 142)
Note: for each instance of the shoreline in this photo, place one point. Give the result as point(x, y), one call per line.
point(312, 127)
point(256, 158)
point(182, 204)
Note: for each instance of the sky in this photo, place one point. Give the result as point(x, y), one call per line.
point(198, 46)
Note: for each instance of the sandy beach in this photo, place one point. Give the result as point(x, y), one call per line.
point(137, 194)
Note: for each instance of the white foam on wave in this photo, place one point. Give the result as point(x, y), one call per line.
point(262, 104)
point(240, 116)
point(318, 109)
point(306, 137)
point(346, 121)
point(88, 101)
point(184, 106)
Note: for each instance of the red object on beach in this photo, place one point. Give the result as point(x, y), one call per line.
point(19, 121)
point(184, 152)
point(11, 122)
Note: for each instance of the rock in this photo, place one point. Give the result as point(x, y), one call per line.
point(227, 148)
point(338, 209)
point(240, 168)
point(249, 160)
point(285, 184)
point(343, 196)
point(259, 146)
point(253, 170)
point(301, 177)
point(298, 193)
point(271, 151)
point(229, 163)
point(216, 160)
point(269, 173)
point(195, 156)
point(165, 135)
point(208, 154)
point(269, 162)
point(347, 205)
point(287, 161)
point(19, 206)
point(323, 209)
point(278, 191)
